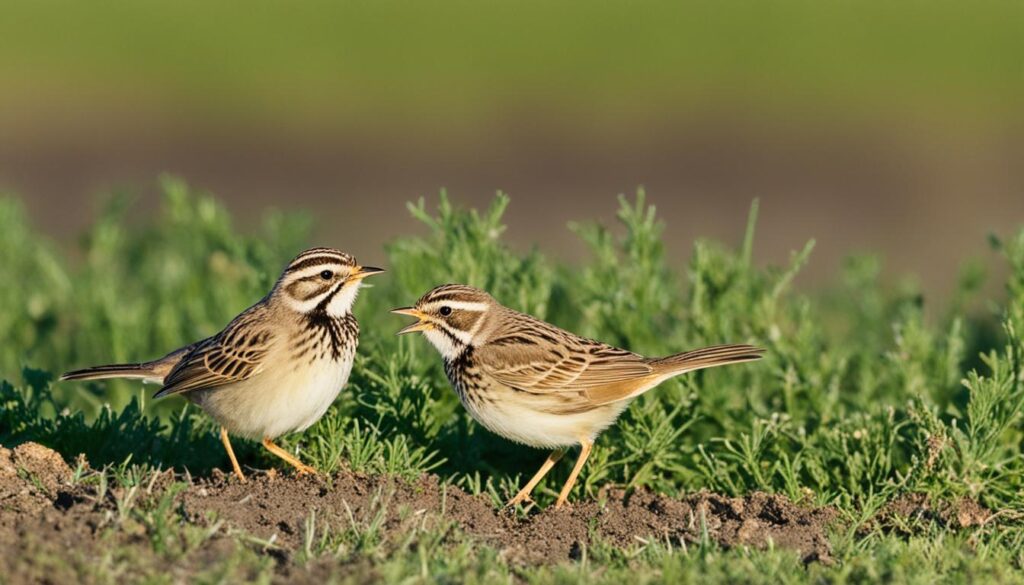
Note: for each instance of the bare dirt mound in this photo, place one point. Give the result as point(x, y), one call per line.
point(276, 509)
point(43, 511)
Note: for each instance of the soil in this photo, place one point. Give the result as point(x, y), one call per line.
point(41, 509)
point(910, 513)
point(277, 507)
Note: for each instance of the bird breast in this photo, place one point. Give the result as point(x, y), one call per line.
point(288, 394)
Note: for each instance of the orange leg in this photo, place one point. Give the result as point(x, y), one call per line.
point(524, 494)
point(585, 446)
point(302, 467)
point(231, 454)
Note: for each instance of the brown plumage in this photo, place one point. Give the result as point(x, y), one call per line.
point(537, 384)
point(276, 367)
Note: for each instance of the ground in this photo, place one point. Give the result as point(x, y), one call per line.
point(50, 511)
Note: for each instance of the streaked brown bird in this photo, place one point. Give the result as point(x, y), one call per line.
point(537, 384)
point(275, 368)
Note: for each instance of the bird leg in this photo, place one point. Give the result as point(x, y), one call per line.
point(524, 494)
point(300, 466)
point(585, 446)
point(231, 454)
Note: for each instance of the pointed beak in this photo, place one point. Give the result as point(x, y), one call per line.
point(422, 325)
point(364, 271)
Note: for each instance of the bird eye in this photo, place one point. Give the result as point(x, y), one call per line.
point(326, 275)
point(445, 310)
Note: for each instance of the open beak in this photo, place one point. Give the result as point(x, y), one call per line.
point(364, 271)
point(422, 325)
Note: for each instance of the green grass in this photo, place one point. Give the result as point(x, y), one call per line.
point(863, 395)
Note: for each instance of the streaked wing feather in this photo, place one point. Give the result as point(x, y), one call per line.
point(235, 354)
point(593, 370)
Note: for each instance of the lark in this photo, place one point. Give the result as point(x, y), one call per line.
point(539, 385)
point(275, 368)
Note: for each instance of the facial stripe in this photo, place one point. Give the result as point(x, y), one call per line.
point(308, 284)
point(457, 305)
point(341, 301)
point(455, 292)
point(463, 337)
point(313, 271)
point(477, 325)
point(294, 290)
point(447, 344)
point(316, 260)
point(316, 302)
point(322, 305)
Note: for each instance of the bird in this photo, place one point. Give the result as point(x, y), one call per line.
point(536, 384)
point(276, 367)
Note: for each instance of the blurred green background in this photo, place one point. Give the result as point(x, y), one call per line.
point(890, 126)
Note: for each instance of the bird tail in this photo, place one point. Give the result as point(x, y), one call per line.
point(144, 371)
point(154, 371)
point(708, 357)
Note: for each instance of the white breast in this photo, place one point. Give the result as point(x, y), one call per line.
point(278, 401)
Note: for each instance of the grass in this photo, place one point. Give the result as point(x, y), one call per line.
point(863, 395)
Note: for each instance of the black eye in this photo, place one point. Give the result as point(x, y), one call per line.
point(326, 275)
point(445, 310)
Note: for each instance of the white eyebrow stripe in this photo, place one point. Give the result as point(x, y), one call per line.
point(461, 305)
point(333, 266)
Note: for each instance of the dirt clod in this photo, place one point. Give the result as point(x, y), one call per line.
point(909, 513)
point(31, 476)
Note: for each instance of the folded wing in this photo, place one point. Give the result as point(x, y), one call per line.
point(237, 353)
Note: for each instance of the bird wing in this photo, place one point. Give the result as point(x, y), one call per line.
point(235, 354)
point(547, 361)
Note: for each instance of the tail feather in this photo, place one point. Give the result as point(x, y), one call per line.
point(708, 357)
point(154, 371)
point(144, 371)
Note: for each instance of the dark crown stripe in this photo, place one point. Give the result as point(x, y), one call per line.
point(320, 250)
point(319, 260)
point(454, 292)
point(452, 297)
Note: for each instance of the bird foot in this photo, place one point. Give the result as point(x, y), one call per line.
point(519, 499)
point(303, 469)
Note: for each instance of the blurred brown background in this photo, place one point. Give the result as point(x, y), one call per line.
point(887, 127)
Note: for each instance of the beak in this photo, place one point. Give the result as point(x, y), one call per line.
point(364, 271)
point(422, 325)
